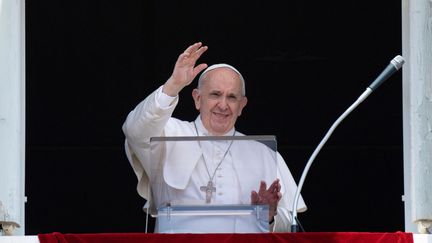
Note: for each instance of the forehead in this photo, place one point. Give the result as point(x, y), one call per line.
point(222, 79)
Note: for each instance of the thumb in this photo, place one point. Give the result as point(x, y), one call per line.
point(198, 69)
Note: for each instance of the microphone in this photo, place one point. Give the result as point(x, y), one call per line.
point(394, 65)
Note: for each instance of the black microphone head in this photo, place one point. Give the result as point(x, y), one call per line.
point(397, 62)
point(394, 65)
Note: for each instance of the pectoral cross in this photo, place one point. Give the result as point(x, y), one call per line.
point(209, 189)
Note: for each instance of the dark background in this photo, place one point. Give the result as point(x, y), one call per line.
point(90, 62)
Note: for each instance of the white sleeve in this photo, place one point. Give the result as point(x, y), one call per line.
point(163, 100)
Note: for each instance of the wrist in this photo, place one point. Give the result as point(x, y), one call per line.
point(271, 221)
point(272, 217)
point(171, 88)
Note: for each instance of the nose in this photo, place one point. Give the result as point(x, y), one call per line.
point(223, 103)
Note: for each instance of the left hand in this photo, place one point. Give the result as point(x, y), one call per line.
point(270, 196)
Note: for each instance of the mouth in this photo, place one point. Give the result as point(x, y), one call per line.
point(220, 115)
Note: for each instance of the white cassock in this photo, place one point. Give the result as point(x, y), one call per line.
point(182, 169)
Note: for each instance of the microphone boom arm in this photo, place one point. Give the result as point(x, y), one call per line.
point(395, 64)
point(360, 99)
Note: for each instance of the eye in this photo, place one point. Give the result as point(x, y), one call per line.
point(214, 95)
point(232, 98)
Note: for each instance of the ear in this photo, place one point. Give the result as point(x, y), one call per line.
point(243, 103)
point(197, 97)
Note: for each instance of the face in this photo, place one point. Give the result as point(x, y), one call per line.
point(220, 100)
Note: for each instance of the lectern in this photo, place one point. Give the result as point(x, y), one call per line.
point(203, 184)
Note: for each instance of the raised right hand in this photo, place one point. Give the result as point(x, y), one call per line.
point(185, 70)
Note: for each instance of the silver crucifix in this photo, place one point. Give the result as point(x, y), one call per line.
point(209, 189)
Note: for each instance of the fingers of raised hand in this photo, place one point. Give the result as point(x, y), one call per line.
point(192, 48)
point(193, 52)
